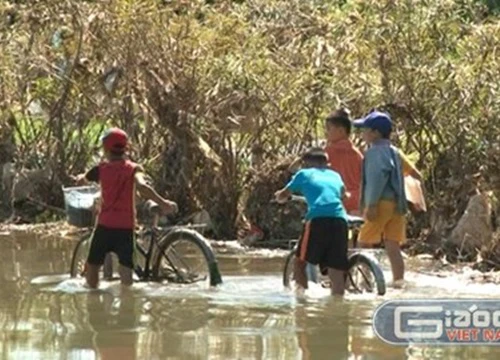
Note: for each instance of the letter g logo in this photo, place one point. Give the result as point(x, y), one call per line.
point(436, 321)
point(417, 328)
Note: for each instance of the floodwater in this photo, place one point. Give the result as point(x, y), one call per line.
point(251, 316)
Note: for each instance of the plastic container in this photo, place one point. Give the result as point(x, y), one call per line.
point(80, 204)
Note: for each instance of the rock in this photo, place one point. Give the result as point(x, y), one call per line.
point(24, 192)
point(8, 175)
point(474, 229)
point(202, 218)
point(26, 182)
point(274, 221)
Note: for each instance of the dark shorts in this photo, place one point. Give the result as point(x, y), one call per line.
point(324, 243)
point(119, 241)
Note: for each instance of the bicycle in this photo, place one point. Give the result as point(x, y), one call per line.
point(178, 254)
point(364, 274)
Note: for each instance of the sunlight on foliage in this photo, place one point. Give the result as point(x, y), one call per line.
point(198, 86)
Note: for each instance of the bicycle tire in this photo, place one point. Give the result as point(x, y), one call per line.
point(372, 265)
point(80, 252)
point(288, 271)
point(193, 237)
point(354, 259)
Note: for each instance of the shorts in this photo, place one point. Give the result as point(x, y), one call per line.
point(324, 243)
point(388, 225)
point(119, 241)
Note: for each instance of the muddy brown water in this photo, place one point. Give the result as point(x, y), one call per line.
point(251, 316)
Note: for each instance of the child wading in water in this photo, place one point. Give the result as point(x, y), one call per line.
point(119, 179)
point(344, 157)
point(383, 199)
point(324, 238)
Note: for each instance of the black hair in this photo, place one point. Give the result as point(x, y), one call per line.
point(117, 151)
point(340, 118)
point(316, 155)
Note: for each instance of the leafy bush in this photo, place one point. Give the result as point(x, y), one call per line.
point(201, 85)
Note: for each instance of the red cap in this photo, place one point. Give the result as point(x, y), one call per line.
point(115, 139)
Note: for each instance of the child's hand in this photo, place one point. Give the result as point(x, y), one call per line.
point(371, 213)
point(169, 207)
point(281, 197)
point(78, 179)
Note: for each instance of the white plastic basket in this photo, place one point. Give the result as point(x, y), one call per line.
point(80, 204)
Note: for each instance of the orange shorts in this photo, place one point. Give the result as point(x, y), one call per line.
point(388, 225)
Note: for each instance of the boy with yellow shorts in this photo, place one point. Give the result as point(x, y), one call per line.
point(383, 199)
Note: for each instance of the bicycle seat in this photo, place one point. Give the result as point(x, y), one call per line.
point(353, 220)
point(152, 207)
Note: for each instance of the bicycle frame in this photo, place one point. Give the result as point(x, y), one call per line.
point(353, 226)
point(152, 234)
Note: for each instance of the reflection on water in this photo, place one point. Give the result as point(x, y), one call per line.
point(250, 317)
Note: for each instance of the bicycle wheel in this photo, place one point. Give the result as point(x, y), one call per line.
point(79, 258)
point(365, 275)
point(312, 272)
point(183, 256)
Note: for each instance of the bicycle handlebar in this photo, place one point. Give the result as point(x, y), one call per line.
point(351, 219)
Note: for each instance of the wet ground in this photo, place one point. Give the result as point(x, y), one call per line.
point(251, 316)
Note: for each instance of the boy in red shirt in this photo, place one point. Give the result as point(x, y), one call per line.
point(119, 179)
point(344, 157)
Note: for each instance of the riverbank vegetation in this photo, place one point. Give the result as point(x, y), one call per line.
point(219, 96)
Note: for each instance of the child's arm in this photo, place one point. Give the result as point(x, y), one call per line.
point(345, 195)
point(149, 193)
point(376, 176)
point(90, 176)
point(294, 185)
point(282, 195)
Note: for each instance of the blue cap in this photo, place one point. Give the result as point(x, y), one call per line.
point(376, 120)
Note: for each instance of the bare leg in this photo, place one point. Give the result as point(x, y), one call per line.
point(92, 276)
point(397, 264)
point(125, 275)
point(337, 280)
point(299, 273)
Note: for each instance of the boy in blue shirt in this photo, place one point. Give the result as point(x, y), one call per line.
point(383, 197)
point(325, 236)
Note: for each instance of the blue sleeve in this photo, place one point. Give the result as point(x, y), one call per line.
point(340, 182)
point(295, 185)
point(376, 175)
